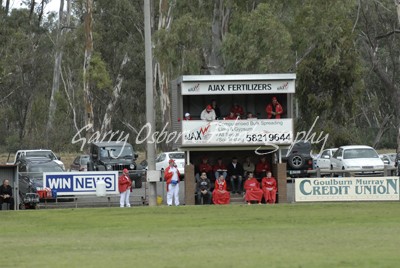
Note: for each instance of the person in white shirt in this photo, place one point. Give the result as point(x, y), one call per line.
point(171, 176)
point(208, 114)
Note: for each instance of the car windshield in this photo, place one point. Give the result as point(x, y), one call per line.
point(85, 160)
point(45, 168)
point(360, 153)
point(116, 152)
point(47, 154)
point(177, 156)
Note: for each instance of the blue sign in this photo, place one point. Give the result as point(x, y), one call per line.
point(80, 183)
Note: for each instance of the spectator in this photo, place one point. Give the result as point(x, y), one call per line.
point(220, 195)
point(248, 166)
point(237, 110)
point(235, 173)
point(220, 169)
point(6, 195)
point(171, 176)
point(231, 116)
point(274, 110)
point(261, 168)
point(208, 114)
point(187, 117)
point(250, 116)
point(216, 109)
point(253, 190)
point(203, 190)
point(125, 188)
point(269, 188)
point(204, 167)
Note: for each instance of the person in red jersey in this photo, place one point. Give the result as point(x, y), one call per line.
point(237, 110)
point(269, 187)
point(125, 188)
point(171, 176)
point(204, 166)
point(274, 109)
point(262, 168)
point(253, 190)
point(220, 195)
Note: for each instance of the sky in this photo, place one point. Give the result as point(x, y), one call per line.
point(53, 5)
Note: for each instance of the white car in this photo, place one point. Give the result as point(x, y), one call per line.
point(163, 159)
point(357, 157)
point(323, 161)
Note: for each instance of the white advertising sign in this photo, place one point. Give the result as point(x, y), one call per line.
point(237, 132)
point(236, 87)
point(347, 189)
point(80, 183)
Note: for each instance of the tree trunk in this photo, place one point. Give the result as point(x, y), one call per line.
point(57, 69)
point(32, 9)
point(88, 99)
point(7, 6)
point(41, 12)
point(106, 125)
point(160, 73)
point(219, 28)
point(383, 127)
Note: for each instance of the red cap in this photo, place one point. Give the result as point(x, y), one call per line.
point(171, 161)
point(125, 170)
point(209, 108)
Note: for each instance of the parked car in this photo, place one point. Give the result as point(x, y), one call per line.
point(298, 159)
point(27, 154)
point(31, 177)
point(80, 163)
point(359, 158)
point(388, 159)
point(323, 161)
point(163, 159)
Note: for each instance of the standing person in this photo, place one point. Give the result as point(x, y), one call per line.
point(203, 189)
point(220, 195)
point(208, 114)
point(269, 187)
point(125, 188)
point(235, 173)
point(253, 190)
point(274, 110)
point(6, 195)
point(216, 109)
point(171, 176)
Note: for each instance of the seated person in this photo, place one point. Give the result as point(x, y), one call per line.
point(220, 195)
point(269, 187)
point(231, 116)
point(253, 190)
point(6, 195)
point(187, 117)
point(203, 189)
point(237, 110)
point(208, 114)
point(220, 169)
point(235, 173)
point(250, 116)
point(261, 168)
point(248, 166)
point(204, 167)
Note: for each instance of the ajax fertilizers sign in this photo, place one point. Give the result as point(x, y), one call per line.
point(347, 189)
point(238, 132)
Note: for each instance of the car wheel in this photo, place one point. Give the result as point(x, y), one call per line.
point(296, 161)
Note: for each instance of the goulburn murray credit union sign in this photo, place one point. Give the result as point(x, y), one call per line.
point(347, 189)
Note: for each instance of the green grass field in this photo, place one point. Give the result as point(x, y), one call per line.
point(284, 235)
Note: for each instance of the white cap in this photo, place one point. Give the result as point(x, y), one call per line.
point(187, 114)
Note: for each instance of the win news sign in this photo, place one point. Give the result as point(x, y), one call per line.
point(80, 183)
point(347, 189)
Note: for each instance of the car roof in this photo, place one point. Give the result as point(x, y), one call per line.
point(110, 143)
point(35, 150)
point(38, 159)
point(356, 147)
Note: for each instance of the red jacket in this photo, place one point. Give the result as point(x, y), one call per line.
point(168, 175)
point(237, 110)
point(269, 184)
point(262, 167)
point(205, 167)
point(217, 167)
point(277, 109)
point(124, 182)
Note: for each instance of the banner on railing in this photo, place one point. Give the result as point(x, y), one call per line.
point(347, 189)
